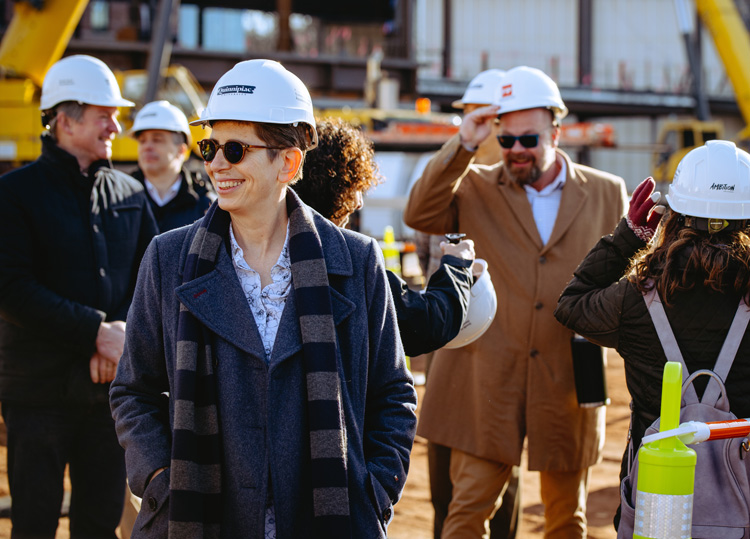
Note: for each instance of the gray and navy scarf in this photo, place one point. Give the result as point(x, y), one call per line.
point(195, 507)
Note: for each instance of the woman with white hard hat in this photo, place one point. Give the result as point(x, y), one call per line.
point(695, 264)
point(273, 334)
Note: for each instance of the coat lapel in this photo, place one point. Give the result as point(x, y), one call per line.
point(217, 300)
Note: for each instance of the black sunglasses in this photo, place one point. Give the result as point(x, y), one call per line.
point(234, 150)
point(527, 141)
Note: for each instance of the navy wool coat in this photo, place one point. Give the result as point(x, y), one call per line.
point(263, 406)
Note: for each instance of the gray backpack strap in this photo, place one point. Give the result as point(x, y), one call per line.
point(668, 341)
point(728, 352)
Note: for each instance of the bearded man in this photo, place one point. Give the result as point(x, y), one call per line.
point(533, 216)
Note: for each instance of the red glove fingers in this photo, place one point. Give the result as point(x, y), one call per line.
point(643, 216)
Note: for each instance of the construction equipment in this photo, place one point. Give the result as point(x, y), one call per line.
point(36, 38)
point(732, 41)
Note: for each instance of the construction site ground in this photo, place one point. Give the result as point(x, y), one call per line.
point(413, 514)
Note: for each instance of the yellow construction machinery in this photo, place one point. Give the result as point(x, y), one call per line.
point(35, 39)
point(732, 41)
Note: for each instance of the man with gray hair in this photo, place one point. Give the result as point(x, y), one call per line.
point(72, 233)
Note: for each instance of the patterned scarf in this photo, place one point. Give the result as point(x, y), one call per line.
point(195, 507)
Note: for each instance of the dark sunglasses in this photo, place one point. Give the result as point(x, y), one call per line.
point(527, 141)
point(234, 150)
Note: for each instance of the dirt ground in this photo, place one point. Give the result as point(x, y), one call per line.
point(413, 514)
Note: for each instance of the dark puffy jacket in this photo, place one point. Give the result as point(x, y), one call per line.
point(70, 246)
point(611, 312)
point(193, 199)
point(429, 320)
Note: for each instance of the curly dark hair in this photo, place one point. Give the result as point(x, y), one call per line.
point(682, 258)
point(342, 165)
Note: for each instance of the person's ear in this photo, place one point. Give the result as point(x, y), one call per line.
point(555, 135)
point(292, 160)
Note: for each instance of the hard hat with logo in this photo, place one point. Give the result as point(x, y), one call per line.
point(482, 309)
point(712, 182)
point(84, 79)
point(161, 115)
point(526, 87)
point(481, 90)
point(260, 91)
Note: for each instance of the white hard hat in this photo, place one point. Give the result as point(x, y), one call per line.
point(260, 91)
point(161, 115)
point(481, 90)
point(526, 87)
point(713, 182)
point(482, 309)
point(84, 79)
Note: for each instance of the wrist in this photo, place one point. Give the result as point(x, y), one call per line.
point(468, 147)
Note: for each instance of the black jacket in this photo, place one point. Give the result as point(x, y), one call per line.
point(611, 312)
point(70, 247)
point(193, 199)
point(429, 320)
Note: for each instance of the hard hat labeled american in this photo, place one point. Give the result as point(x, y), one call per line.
point(161, 115)
point(481, 90)
point(482, 308)
point(260, 91)
point(525, 88)
point(84, 79)
point(713, 182)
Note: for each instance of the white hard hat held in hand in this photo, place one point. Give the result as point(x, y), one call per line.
point(260, 91)
point(84, 79)
point(482, 307)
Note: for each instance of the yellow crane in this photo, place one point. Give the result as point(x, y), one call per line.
point(37, 38)
point(732, 41)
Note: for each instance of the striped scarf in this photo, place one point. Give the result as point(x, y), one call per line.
point(195, 507)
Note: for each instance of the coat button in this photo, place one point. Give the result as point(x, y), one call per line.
point(538, 305)
point(534, 352)
point(102, 272)
point(542, 259)
point(96, 228)
point(387, 514)
point(152, 504)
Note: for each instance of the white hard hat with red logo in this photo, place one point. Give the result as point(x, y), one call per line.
point(260, 91)
point(525, 88)
point(712, 182)
point(482, 308)
point(84, 79)
point(481, 90)
point(161, 115)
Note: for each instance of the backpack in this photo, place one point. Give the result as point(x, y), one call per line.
point(721, 499)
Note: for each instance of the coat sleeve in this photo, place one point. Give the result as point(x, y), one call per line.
point(591, 304)
point(429, 320)
point(137, 394)
point(24, 300)
point(390, 418)
point(431, 207)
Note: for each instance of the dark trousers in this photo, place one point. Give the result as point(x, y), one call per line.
point(503, 525)
point(41, 441)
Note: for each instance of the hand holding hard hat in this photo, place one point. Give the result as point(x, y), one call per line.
point(482, 307)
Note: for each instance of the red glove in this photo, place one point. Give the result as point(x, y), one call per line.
point(644, 215)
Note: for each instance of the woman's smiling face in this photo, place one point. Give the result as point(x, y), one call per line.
point(254, 180)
